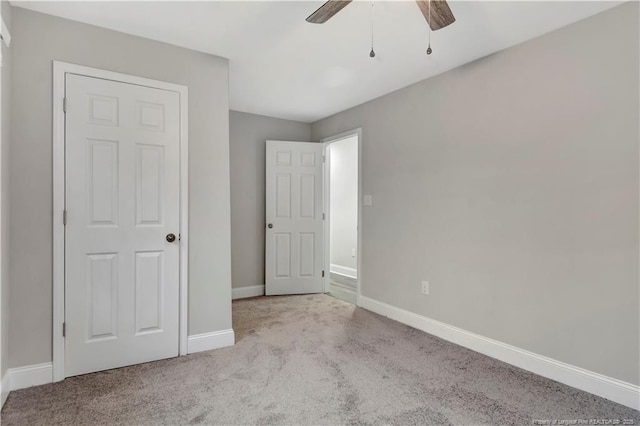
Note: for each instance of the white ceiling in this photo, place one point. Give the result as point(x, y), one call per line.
point(282, 66)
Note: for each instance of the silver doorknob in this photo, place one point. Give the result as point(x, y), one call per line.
point(171, 237)
point(270, 225)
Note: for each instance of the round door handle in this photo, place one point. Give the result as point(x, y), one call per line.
point(171, 237)
point(270, 225)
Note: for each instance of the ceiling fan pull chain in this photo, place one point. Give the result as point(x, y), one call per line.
point(372, 54)
point(429, 50)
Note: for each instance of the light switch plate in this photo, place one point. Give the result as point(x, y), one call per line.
point(367, 200)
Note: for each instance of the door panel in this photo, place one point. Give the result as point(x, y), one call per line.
point(293, 250)
point(102, 182)
point(102, 289)
point(149, 184)
point(148, 291)
point(122, 171)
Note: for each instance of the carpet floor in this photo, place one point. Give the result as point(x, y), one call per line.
point(313, 360)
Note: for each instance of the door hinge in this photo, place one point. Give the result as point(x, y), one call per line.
point(324, 158)
point(64, 104)
point(64, 329)
point(64, 217)
point(322, 274)
point(323, 216)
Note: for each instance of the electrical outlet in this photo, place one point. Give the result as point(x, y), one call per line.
point(425, 287)
point(353, 252)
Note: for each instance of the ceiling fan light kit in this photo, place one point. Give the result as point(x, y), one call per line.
point(436, 12)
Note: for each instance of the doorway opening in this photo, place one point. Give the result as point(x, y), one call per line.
point(342, 207)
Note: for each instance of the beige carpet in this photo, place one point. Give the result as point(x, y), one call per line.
point(303, 360)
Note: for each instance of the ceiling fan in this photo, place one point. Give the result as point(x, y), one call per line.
point(436, 12)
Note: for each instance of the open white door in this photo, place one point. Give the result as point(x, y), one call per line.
point(123, 216)
point(294, 232)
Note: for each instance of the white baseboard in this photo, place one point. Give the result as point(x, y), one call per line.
point(244, 292)
point(5, 387)
point(607, 387)
point(209, 341)
point(343, 270)
point(40, 374)
point(29, 375)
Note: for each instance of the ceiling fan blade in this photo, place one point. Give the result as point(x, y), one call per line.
point(441, 15)
point(327, 10)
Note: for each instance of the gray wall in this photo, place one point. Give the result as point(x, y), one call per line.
point(37, 40)
point(4, 196)
point(247, 134)
point(511, 184)
point(343, 205)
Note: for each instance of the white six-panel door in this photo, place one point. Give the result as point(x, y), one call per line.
point(122, 162)
point(294, 232)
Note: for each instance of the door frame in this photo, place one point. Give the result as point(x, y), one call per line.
point(60, 69)
point(5, 40)
point(326, 204)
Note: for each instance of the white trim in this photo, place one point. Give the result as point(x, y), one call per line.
point(5, 388)
point(607, 387)
point(58, 228)
point(327, 261)
point(25, 377)
point(326, 209)
point(244, 292)
point(30, 375)
point(209, 341)
point(4, 380)
point(344, 271)
point(184, 220)
point(60, 69)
